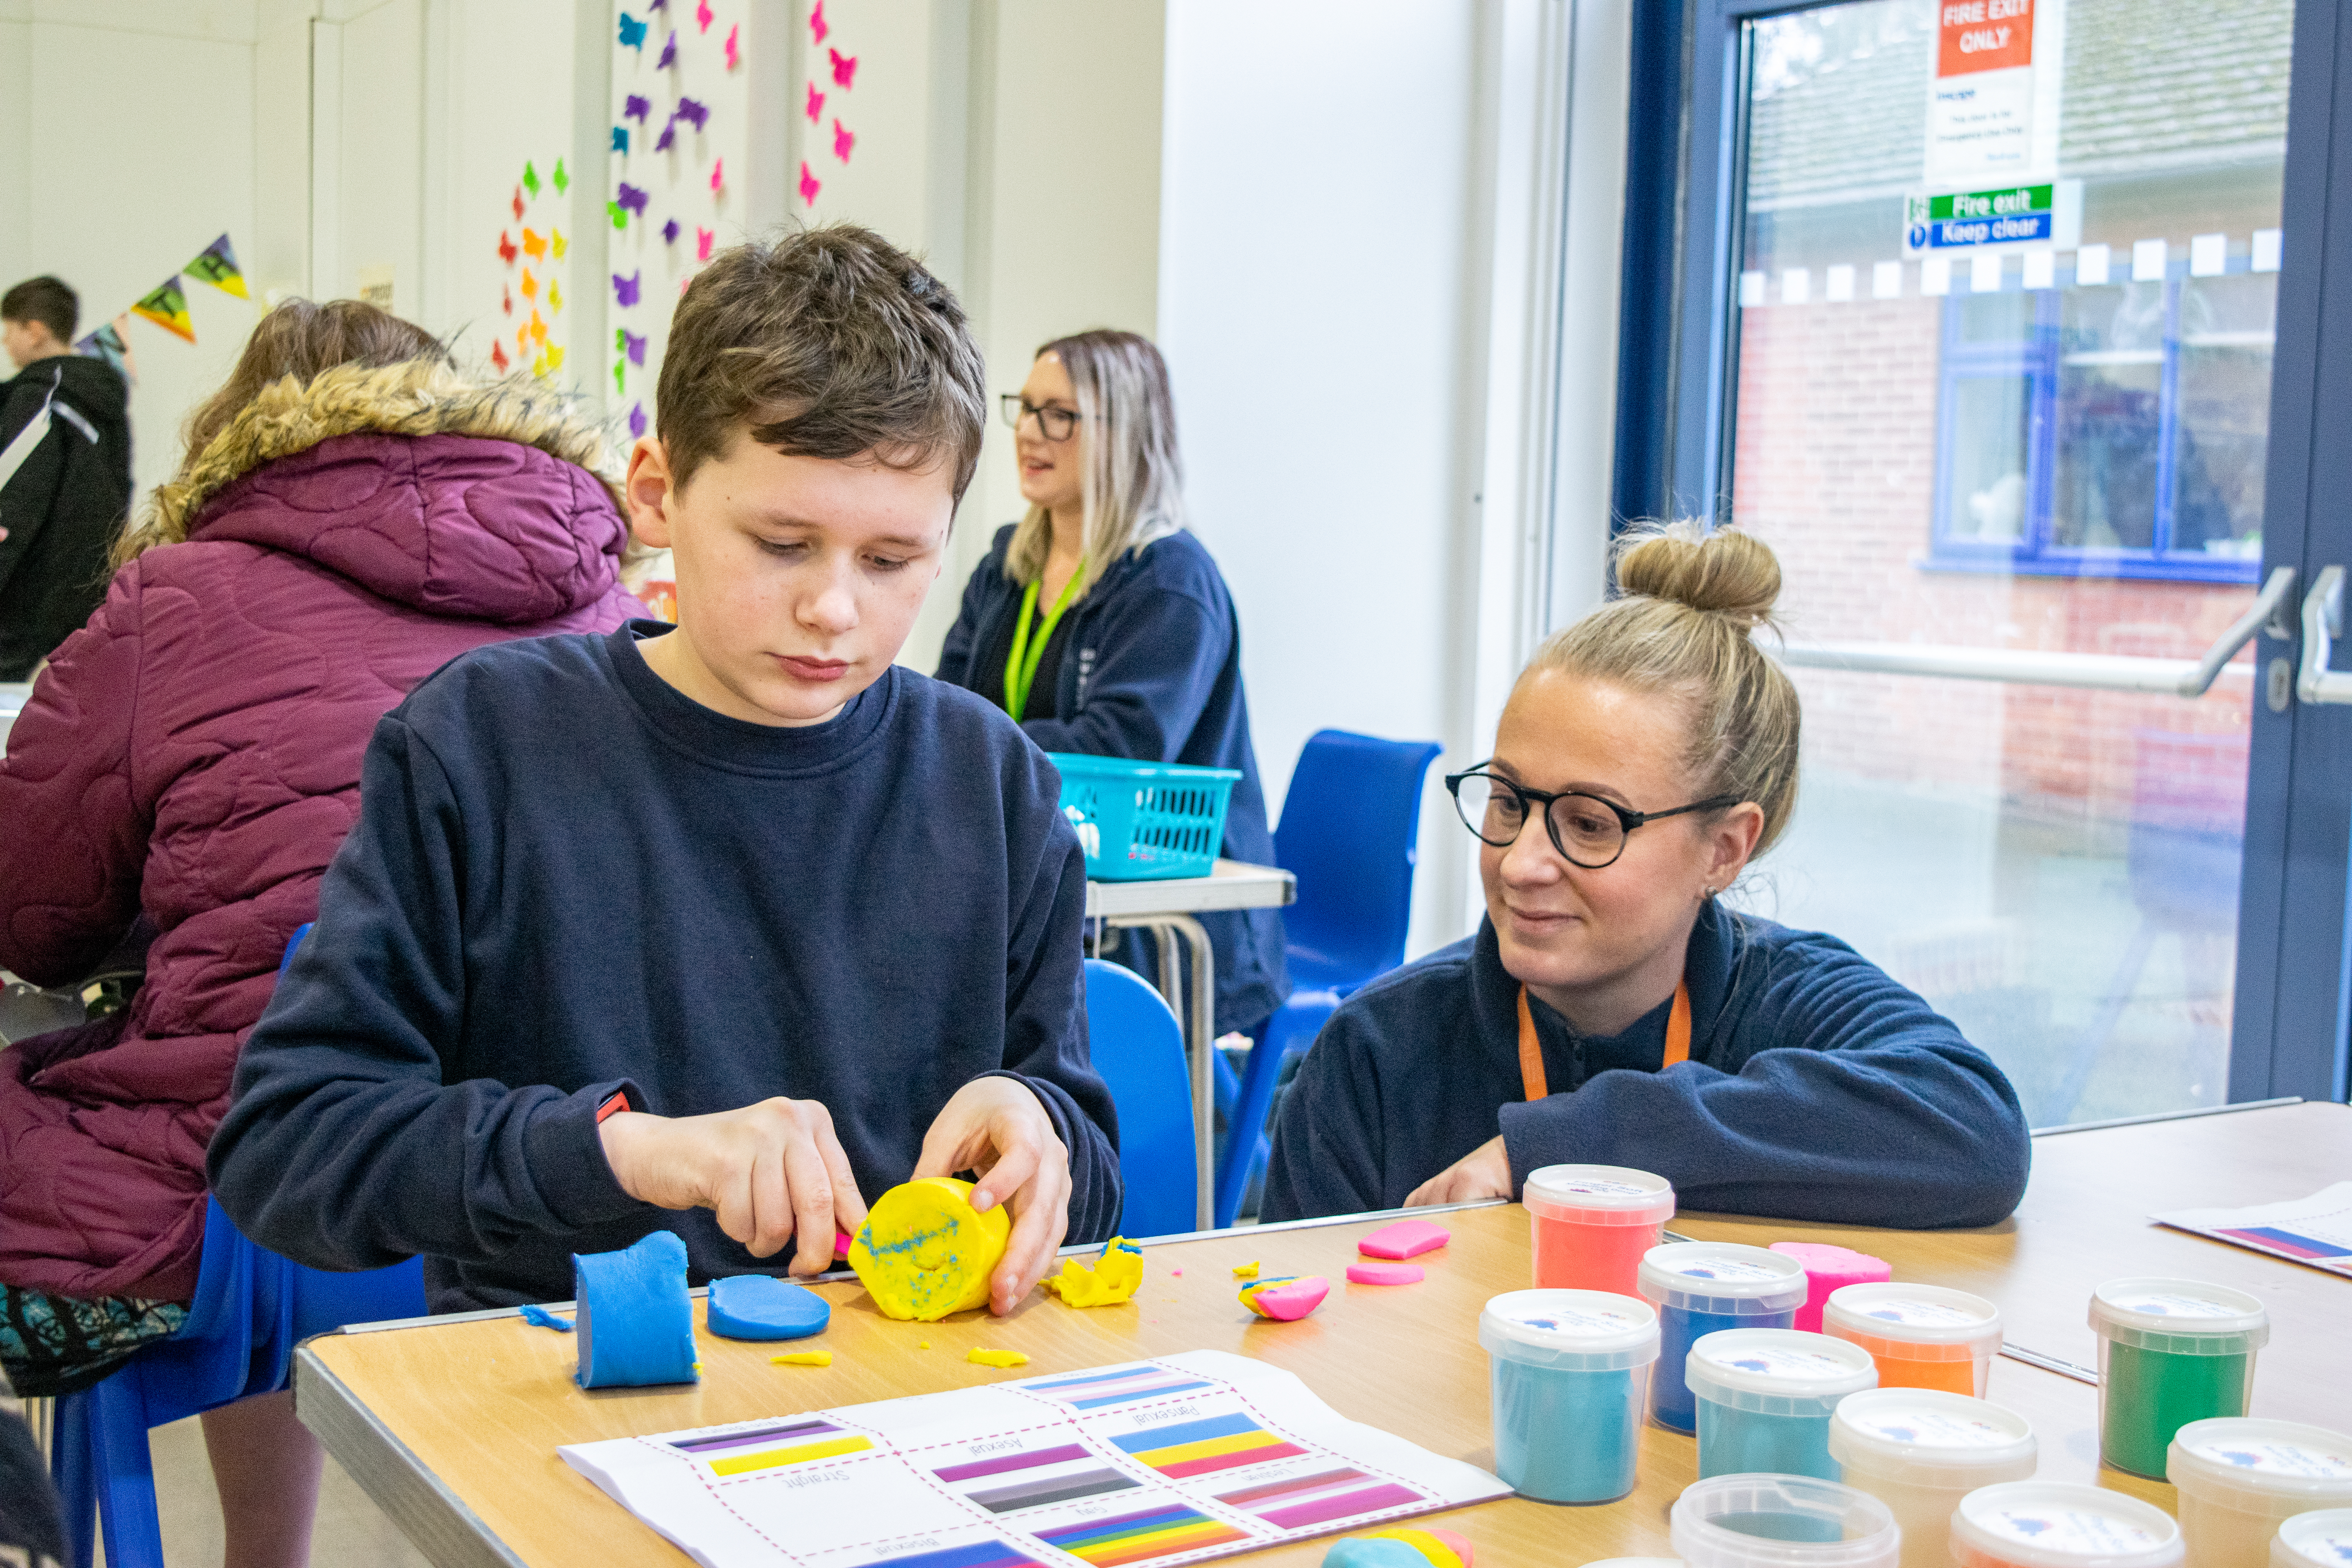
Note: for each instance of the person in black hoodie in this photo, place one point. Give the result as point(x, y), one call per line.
point(64, 489)
point(1101, 625)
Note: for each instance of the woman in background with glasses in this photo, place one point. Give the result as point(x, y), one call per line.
point(1102, 626)
point(1611, 1010)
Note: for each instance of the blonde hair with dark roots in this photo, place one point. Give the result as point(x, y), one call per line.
point(1683, 627)
point(1131, 487)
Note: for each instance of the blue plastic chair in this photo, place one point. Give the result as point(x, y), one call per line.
point(251, 1309)
point(1138, 1049)
point(1349, 831)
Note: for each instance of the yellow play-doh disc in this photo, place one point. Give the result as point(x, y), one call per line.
point(925, 1252)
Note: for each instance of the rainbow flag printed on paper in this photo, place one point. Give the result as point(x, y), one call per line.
point(1119, 1386)
point(1199, 1448)
point(1138, 1537)
point(768, 1447)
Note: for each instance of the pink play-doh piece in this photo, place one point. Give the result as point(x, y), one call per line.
point(1286, 1300)
point(841, 1239)
point(1406, 1238)
point(1829, 1268)
point(1386, 1273)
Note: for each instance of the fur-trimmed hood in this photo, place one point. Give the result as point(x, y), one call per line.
point(492, 500)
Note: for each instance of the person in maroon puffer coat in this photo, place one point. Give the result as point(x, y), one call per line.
point(353, 513)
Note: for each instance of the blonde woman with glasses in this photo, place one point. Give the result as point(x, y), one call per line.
point(1102, 626)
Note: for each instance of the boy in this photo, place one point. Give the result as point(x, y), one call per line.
point(737, 917)
point(63, 493)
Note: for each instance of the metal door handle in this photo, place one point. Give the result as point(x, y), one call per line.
point(2323, 623)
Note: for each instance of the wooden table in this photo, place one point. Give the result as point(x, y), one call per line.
point(1165, 907)
point(452, 1425)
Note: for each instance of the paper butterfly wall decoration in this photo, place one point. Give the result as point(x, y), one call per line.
point(734, 54)
point(530, 179)
point(532, 245)
point(620, 369)
point(844, 67)
point(498, 357)
point(554, 295)
point(506, 301)
point(632, 344)
point(718, 173)
point(703, 15)
point(817, 29)
point(637, 420)
point(633, 198)
point(669, 135)
point(507, 251)
point(529, 285)
point(816, 104)
point(625, 289)
point(669, 52)
point(693, 111)
point(809, 185)
point(557, 242)
point(620, 139)
point(669, 232)
point(555, 356)
point(842, 142)
point(538, 329)
point(561, 181)
point(635, 107)
point(702, 238)
point(633, 33)
point(619, 213)
point(517, 204)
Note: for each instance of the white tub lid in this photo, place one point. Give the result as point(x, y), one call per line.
point(1786, 1362)
point(1722, 1269)
point(2322, 1536)
point(2042, 1524)
point(2246, 1454)
point(2178, 1308)
point(1920, 1314)
point(1929, 1426)
point(1597, 1187)
point(1588, 1322)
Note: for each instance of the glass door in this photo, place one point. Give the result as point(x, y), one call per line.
point(1979, 327)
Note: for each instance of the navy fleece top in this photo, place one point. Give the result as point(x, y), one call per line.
point(1150, 669)
point(568, 880)
point(1817, 1089)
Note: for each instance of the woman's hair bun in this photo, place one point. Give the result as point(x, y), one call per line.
point(1723, 572)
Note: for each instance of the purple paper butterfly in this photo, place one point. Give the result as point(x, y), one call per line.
point(637, 348)
point(669, 53)
point(633, 198)
point(688, 109)
point(635, 108)
point(669, 135)
point(625, 289)
point(636, 420)
point(669, 232)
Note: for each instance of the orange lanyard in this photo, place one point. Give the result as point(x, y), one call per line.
point(1531, 1067)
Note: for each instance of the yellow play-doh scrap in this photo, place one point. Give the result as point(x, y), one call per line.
point(925, 1252)
point(922, 1344)
point(803, 1358)
point(996, 1358)
point(1245, 1270)
point(1110, 1279)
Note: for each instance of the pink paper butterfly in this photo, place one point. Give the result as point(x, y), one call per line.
point(844, 68)
point(718, 172)
point(817, 29)
point(842, 142)
point(734, 54)
point(809, 185)
point(702, 238)
point(703, 14)
point(816, 104)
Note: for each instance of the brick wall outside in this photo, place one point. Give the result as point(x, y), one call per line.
point(1835, 468)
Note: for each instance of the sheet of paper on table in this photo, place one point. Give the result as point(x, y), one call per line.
point(1172, 1460)
point(2316, 1230)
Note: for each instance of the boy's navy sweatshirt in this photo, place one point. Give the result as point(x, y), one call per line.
point(568, 880)
point(1817, 1089)
point(1150, 669)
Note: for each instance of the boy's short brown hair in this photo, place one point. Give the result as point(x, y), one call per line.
point(826, 343)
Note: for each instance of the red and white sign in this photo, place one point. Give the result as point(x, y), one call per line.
point(1983, 35)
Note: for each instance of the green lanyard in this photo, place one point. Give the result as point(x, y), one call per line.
point(1020, 664)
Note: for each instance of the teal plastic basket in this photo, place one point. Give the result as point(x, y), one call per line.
point(1142, 822)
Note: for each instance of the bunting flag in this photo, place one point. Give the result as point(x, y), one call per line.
point(167, 307)
point(107, 343)
point(216, 263)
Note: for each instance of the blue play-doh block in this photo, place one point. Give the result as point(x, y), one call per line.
point(762, 1307)
point(634, 1321)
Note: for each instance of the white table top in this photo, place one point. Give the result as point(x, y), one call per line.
point(1231, 885)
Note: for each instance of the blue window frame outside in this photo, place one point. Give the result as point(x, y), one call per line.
point(2036, 357)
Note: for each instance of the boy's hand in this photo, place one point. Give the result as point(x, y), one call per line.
point(998, 1127)
point(772, 1170)
point(1483, 1172)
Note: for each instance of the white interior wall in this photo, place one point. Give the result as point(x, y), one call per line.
point(114, 202)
